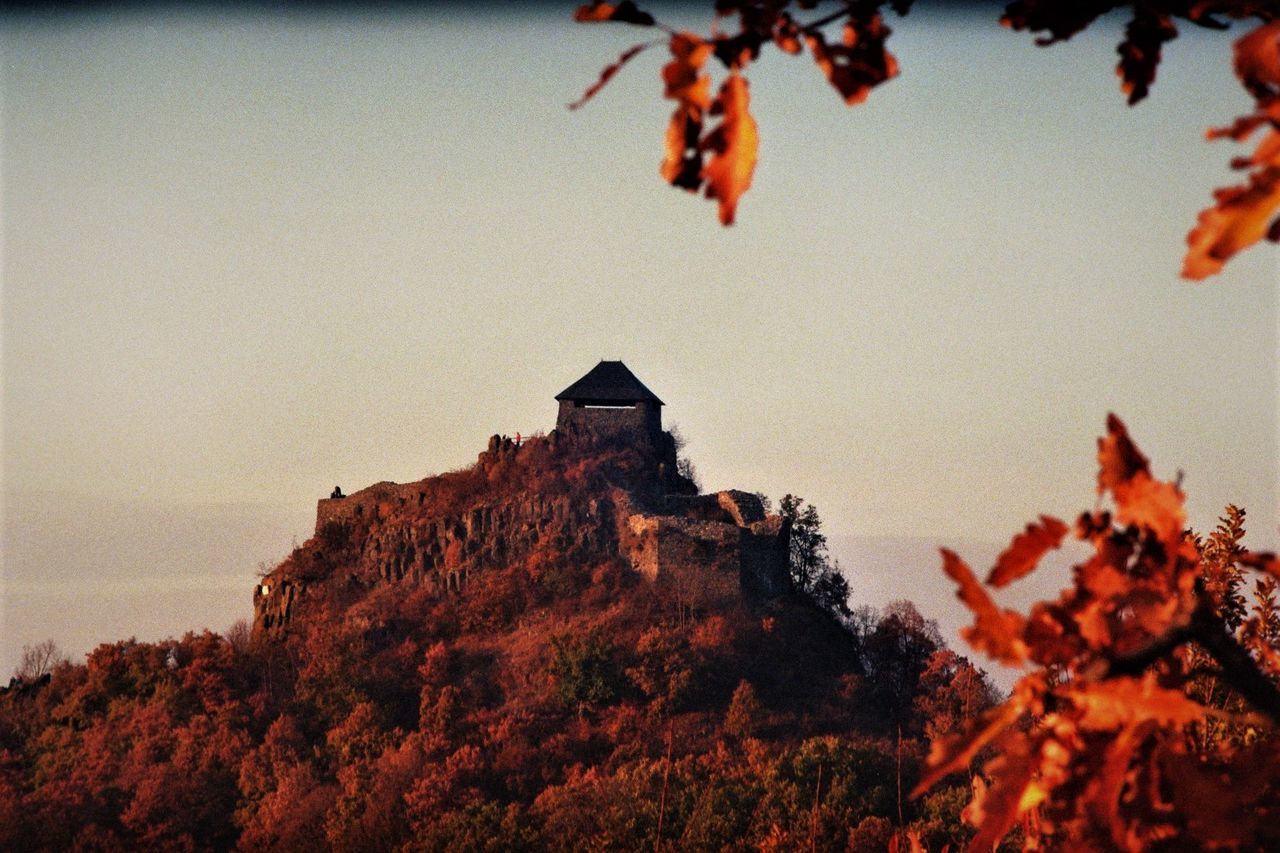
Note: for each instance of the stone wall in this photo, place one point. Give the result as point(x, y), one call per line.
point(397, 540)
point(370, 503)
point(643, 420)
point(718, 546)
point(712, 547)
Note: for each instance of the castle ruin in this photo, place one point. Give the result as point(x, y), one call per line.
point(722, 545)
point(610, 401)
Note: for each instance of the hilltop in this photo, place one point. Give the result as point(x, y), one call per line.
point(561, 646)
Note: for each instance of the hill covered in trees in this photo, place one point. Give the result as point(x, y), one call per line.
point(563, 646)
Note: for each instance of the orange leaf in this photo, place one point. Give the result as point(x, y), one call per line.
point(1117, 702)
point(1241, 217)
point(1140, 499)
point(860, 63)
point(682, 163)
point(733, 146)
point(1013, 790)
point(1026, 549)
point(1118, 457)
point(684, 82)
point(949, 754)
point(1153, 504)
point(1106, 788)
point(624, 12)
point(995, 632)
point(1257, 60)
point(1243, 214)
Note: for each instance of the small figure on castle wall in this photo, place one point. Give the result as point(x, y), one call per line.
point(337, 492)
point(517, 439)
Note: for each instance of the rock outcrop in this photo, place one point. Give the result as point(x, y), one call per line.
point(553, 499)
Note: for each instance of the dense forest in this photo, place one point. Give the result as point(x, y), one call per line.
point(553, 703)
point(567, 701)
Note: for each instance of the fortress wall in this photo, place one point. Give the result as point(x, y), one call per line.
point(712, 547)
point(443, 551)
point(701, 543)
point(644, 420)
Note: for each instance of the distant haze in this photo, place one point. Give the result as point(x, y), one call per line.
point(85, 571)
point(250, 254)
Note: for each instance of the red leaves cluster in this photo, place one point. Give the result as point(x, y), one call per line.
point(1115, 741)
point(860, 61)
point(996, 632)
point(1245, 213)
point(720, 162)
point(1025, 551)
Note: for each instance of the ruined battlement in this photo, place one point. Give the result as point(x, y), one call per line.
point(565, 497)
point(722, 543)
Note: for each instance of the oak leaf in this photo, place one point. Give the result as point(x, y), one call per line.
point(1117, 702)
point(1107, 786)
point(1155, 505)
point(691, 89)
point(860, 62)
point(1245, 213)
point(1119, 459)
point(1257, 61)
point(624, 13)
point(994, 631)
point(1140, 499)
point(1140, 50)
point(1014, 789)
point(733, 144)
point(1241, 217)
point(1025, 551)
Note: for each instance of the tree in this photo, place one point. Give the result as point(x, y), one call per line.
point(1115, 737)
point(38, 660)
point(743, 717)
point(812, 571)
point(584, 669)
point(896, 655)
point(721, 160)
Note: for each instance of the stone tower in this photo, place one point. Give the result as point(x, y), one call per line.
point(610, 401)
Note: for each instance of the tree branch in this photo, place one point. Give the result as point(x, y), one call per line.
point(1137, 662)
point(1238, 669)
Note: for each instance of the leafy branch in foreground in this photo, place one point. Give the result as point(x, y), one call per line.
point(1154, 681)
point(720, 160)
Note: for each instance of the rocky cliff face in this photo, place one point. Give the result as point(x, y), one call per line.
point(552, 500)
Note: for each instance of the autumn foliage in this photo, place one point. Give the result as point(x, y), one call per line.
point(558, 703)
point(553, 703)
point(1150, 711)
point(847, 41)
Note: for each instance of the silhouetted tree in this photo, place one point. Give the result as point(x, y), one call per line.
point(812, 571)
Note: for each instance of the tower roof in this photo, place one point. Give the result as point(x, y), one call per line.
point(609, 382)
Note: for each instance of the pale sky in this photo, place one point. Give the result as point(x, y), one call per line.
point(248, 255)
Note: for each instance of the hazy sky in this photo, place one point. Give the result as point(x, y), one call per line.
point(248, 255)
